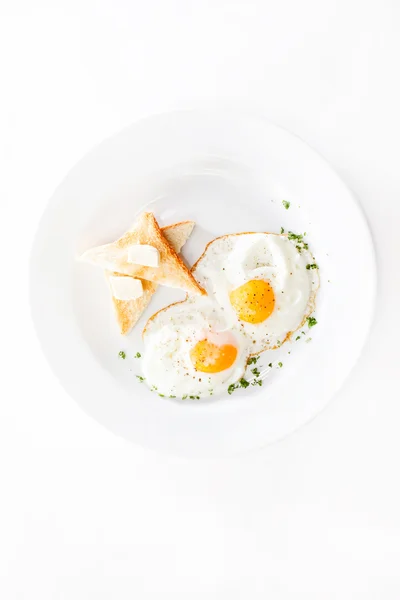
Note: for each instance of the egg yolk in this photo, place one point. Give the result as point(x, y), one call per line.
point(210, 358)
point(253, 301)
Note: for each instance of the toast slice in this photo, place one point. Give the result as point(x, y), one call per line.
point(171, 270)
point(128, 312)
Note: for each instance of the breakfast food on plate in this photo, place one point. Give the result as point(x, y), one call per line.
point(128, 308)
point(247, 293)
point(144, 253)
point(262, 283)
point(260, 289)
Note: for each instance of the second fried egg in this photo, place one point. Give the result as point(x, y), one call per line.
point(261, 282)
point(190, 351)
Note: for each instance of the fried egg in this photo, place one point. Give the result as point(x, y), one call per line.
point(191, 351)
point(261, 283)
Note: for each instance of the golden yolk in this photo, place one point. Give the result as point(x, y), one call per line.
point(210, 358)
point(253, 301)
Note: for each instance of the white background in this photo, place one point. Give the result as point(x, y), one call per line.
point(85, 515)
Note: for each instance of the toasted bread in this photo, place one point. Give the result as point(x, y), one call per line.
point(128, 312)
point(171, 271)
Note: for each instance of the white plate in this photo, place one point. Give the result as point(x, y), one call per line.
point(229, 172)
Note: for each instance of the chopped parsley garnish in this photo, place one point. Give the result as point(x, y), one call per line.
point(286, 204)
point(299, 239)
point(311, 266)
point(280, 365)
point(282, 230)
point(311, 321)
point(255, 372)
point(257, 382)
point(241, 383)
point(298, 337)
point(184, 397)
point(252, 360)
point(161, 395)
point(141, 379)
point(138, 355)
point(122, 354)
point(172, 396)
point(295, 236)
point(194, 397)
point(270, 365)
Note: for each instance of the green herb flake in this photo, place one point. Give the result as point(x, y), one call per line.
point(184, 397)
point(138, 355)
point(298, 337)
point(311, 266)
point(161, 395)
point(194, 397)
point(295, 236)
point(122, 354)
point(141, 379)
point(299, 239)
point(311, 321)
point(280, 365)
point(255, 372)
point(241, 383)
point(252, 360)
point(257, 382)
point(286, 204)
point(270, 365)
point(282, 230)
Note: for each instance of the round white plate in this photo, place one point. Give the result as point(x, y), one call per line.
point(229, 172)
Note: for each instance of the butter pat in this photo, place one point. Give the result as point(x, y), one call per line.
point(126, 288)
point(142, 254)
